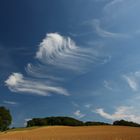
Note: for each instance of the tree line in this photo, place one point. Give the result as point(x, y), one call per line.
point(69, 121)
point(49, 121)
point(6, 120)
point(126, 123)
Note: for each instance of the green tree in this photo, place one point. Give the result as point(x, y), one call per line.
point(5, 118)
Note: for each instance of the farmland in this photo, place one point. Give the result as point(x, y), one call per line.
point(73, 133)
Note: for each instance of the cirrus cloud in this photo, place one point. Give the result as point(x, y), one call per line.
point(56, 54)
point(122, 112)
point(10, 102)
point(78, 114)
point(133, 80)
point(18, 83)
point(62, 52)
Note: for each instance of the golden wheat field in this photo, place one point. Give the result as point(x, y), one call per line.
point(74, 133)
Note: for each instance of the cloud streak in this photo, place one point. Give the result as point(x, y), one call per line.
point(95, 23)
point(122, 112)
point(133, 80)
point(41, 71)
point(18, 83)
point(88, 106)
point(10, 102)
point(107, 85)
point(78, 114)
point(112, 4)
point(62, 52)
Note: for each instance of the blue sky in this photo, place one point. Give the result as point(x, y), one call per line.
point(70, 58)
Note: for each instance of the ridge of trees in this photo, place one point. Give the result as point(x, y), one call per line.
point(49, 121)
point(90, 123)
point(6, 119)
point(126, 123)
point(69, 121)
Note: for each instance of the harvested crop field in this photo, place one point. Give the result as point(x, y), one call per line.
point(74, 133)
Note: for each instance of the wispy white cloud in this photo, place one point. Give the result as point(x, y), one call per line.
point(10, 102)
point(107, 85)
point(104, 33)
point(88, 105)
point(75, 104)
point(78, 114)
point(117, 115)
point(41, 71)
point(133, 80)
point(62, 52)
point(112, 3)
point(56, 54)
point(18, 83)
point(122, 14)
point(122, 112)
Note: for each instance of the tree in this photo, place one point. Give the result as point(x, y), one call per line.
point(5, 118)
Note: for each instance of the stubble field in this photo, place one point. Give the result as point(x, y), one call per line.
point(74, 133)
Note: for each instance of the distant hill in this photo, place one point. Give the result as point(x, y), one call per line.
point(89, 123)
point(64, 121)
point(49, 121)
point(126, 123)
point(69, 121)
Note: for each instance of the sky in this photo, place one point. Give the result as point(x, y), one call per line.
point(77, 58)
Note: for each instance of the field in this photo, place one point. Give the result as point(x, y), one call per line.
point(73, 133)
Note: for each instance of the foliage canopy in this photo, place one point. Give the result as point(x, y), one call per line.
point(5, 118)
